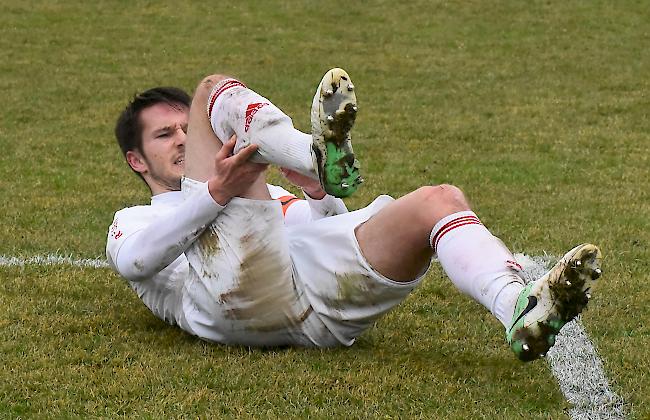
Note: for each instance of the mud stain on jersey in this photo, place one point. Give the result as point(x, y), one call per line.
point(287, 323)
point(265, 297)
point(209, 243)
point(208, 249)
point(173, 251)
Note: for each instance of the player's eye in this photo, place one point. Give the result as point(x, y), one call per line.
point(184, 128)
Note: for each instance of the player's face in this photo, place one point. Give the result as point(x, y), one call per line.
point(164, 129)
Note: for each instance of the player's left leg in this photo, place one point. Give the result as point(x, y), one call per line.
point(201, 144)
point(333, 112)
point(400, 239)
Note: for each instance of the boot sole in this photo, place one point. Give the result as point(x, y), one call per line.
point(334, 111)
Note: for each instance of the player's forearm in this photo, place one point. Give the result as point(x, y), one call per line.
point(147, 252)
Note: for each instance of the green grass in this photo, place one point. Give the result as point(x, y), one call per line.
point(537, 110)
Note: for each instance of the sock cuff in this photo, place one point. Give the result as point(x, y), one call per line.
point(220, 88)
point(449, 223)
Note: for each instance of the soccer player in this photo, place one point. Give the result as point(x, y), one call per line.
point(231, 259)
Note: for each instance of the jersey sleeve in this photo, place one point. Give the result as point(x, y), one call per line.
point(327, 206)
point(297, 211)
point(140, 245)
point(126, 223)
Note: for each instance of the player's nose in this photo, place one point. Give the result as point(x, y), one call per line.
point(180, 137)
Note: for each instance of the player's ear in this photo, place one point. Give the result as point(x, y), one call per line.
point(136, 160)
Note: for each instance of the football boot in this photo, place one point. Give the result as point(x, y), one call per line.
point(333, 112)
point(544, 306)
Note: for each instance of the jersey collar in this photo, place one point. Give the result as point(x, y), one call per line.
point(171, 197)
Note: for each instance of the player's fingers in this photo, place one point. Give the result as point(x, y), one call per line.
point(244, 154)
point(227, 148)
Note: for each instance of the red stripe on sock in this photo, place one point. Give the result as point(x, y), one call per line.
point(452, 222)
point(451, 225)
point(515, 264)
point(471, 222)
point(215, 94)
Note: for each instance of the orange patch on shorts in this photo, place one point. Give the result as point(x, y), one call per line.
point(286, 201)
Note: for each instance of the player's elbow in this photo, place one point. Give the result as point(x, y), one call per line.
point(138, 271)
point(134, 268)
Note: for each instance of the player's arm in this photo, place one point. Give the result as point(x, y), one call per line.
point(146, 251)
point(138, 251)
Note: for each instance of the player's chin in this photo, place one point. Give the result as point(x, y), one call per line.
point(176, 179)
point(179, 169)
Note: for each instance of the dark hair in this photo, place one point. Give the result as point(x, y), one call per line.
point(128, 129)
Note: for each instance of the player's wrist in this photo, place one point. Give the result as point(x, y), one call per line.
point(315, 193)
point(217, 193)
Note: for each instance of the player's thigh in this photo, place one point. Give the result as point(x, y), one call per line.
point(346, 292)
point(395, 241)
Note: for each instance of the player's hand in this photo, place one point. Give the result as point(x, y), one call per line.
point(310, 186)
point(234, 174)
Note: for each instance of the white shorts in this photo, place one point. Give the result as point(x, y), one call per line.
point(256, 282)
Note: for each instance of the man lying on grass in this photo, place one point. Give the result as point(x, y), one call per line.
point(232, 259)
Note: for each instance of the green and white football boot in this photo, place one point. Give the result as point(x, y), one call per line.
point(546, 305)
point(333, 112)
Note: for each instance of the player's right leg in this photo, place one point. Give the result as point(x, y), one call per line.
point(201, 144)
point(333, 112)
point(325, 155)
point(241, 288)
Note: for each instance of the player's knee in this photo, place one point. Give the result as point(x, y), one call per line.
point(206, 85)
point(442, 200)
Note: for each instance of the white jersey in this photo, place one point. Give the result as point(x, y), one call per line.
point(146, 244)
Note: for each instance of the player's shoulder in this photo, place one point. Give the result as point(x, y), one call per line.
point(129, 220)
point(136, 216)
point(134, 211)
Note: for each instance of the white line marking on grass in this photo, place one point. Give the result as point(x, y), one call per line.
point(52, 259)
point(575, 363)
point(573, 360)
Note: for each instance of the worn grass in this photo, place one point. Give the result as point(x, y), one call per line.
point(538, 110)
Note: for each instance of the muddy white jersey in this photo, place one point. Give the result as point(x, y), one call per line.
point(146, 244)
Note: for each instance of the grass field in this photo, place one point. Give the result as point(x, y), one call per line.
point(537, 110)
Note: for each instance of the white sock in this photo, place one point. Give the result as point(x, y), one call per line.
point(235, 109)
point(478, 263)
